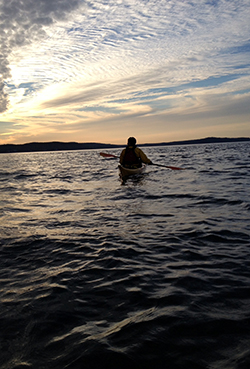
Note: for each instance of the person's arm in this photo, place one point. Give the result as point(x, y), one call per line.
point(122, 155)
point(143, 156)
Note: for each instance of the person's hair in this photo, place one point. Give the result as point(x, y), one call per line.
point(131, 141)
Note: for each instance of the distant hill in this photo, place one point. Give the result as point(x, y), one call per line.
point(68, 146)
point(53, 146)
point(207, 140)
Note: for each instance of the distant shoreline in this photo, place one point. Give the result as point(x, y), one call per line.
point(71, 146)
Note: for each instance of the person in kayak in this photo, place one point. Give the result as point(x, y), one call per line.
point(133, 157)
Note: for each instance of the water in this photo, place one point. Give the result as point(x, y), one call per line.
point(151, 274)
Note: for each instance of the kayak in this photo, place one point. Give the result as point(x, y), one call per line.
point(127, 172)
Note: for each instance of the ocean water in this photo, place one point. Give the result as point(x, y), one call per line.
point(154, 273)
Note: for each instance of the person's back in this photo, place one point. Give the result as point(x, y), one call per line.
point(132, 156)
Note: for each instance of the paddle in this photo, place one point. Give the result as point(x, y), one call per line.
point(158, 165)
point(166, 166)
point(108, 155)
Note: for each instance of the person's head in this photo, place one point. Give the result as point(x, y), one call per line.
point(131, 141)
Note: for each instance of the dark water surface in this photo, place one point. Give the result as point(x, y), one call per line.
point(151, 274)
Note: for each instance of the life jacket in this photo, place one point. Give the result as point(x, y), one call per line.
point(130, 159)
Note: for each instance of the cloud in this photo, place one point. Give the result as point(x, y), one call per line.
point(94, 61)
point(21, 23)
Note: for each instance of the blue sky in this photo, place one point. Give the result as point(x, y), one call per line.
point(101, 71)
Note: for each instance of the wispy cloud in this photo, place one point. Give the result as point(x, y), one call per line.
point(83, 64)
point(23, 22)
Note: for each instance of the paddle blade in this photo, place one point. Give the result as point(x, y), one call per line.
point(108, 155)
point(176, 168)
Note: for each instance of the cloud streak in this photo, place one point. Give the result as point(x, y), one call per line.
point(24, 22)
point(95, 62)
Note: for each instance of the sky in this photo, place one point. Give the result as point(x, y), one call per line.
point(101, 71)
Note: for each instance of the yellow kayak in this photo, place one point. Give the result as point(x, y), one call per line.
point(127, 172)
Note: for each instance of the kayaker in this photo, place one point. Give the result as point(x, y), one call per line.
point(132, 156)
